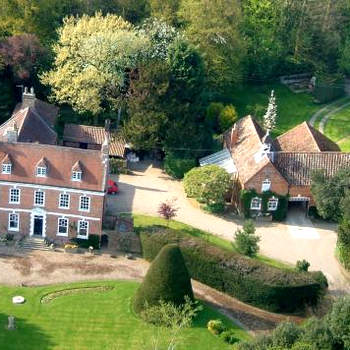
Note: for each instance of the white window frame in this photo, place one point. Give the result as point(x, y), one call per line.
point(87, 229)
point(9, 221)
point(6, 169)
point(10, 195)
point(35, 198)
point(266, 185)
point(58, 227)
point(272, 200)
point(253, 207)
point(60, 201)
point(41, 171)
point(81, 202)
point(76, 175)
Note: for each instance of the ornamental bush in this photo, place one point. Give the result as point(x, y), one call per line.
point(178, 167)
point(246, 240)
point(246, 279)
point(166, 280)
point(216, 327)
point(207, 184)
point(228, 116)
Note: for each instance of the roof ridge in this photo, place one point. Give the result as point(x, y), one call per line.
point(13, 117)
point(312, 135)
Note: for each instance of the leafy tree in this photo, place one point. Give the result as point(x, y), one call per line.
point(302, 265)
point(227, 117)
point(167, 280)
point(208, 184)
point(165, 9)
point(24, 55)
point(246, 240)
point(94, 57)
point(338, 321)
point(271, 113)
point(328, 192)
point(212, 114)
point(213, 25)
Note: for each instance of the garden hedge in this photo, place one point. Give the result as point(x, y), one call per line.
point(246, 279)
point(178, 167)
point(167, 279)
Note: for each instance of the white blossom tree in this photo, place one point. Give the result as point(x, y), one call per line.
point(271, 113)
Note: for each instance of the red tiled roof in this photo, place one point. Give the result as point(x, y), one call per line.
point(42, 162)
point(77, 166)
point(304, 138)
point(60, 161)
point(297, 167)
point(94, 135)
point(31, 127)
point(6, 160)
point(247, 146)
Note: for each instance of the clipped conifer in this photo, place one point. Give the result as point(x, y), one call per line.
point(167, 279)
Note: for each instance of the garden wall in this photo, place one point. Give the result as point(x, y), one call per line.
point(246, 279)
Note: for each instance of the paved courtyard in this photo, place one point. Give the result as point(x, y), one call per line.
point(297, 238)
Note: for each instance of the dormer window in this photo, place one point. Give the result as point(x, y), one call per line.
point(76, 175)
point(77, 171)
point(6, 167)
point(41, 168)
point(266, 185)
point(41, 171)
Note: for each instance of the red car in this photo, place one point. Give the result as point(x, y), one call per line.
point(112, 187)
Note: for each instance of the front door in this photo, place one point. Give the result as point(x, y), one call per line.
point(38, 225)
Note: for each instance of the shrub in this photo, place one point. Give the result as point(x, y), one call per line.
point(216, 327)
point(9, 236)
point(286, 334)
point(213, 113)
point(229, 336)
point(227, 117)
point(169, 315)
point(216, 208)
point(167, 210)
point(248, 280)
point(207, 184)
point(302, 265)
point(167, 279)
point(246, 240)
point(118, 166)
point(92, 241)
point(178, 167)
point(344, 255)
point(320, 278)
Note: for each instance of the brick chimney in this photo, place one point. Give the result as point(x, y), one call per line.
point(28, 98)
point(234, 135)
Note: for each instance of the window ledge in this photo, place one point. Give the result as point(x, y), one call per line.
point(62, 234)
point(83, 237)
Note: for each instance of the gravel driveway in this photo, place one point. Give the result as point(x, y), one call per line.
point(297, 238)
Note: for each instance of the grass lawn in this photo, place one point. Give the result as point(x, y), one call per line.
point(142, 221)
point(293, 108)
point(338, 129)
point(93, 320)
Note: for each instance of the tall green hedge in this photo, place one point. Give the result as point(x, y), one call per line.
point(278, 215)
point(246, 279)
point(167, 279)
point(178, 167)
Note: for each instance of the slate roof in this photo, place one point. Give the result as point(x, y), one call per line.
point(59, 161)
point(297, 167)
point(94, 135)
point(305, 138)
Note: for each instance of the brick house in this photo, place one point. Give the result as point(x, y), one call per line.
point(48, 190)
point(283, 165)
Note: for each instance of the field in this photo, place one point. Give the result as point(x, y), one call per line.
point(292, 108)
point(95, 316)
point(338, 129)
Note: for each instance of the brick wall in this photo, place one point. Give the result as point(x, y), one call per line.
point(302, 191)
point(51, 211)
point(278, 184)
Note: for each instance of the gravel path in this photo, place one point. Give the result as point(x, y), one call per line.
point(44, 268)
point(295, 239)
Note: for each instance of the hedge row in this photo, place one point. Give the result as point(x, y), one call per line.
point(248, 280)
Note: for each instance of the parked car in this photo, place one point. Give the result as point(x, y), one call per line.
point(112, 187)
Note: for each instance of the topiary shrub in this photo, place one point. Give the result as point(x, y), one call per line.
point(246, 240)
point(178, 167)
point(166, 280)
point(229, 336)
point(208, 184)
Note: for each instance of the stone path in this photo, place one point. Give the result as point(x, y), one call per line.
point(44, 268)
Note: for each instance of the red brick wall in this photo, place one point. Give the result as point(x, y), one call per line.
point(278, 184)
point(51, 205)
point(303, 191)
